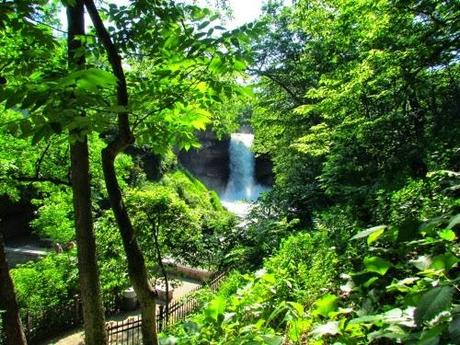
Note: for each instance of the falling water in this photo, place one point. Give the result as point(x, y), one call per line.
point(242, 188)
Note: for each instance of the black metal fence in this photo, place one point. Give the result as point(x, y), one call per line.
point(128, 332)
point(39, 326)
point(2, 327)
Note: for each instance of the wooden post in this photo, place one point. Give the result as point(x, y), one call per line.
point(161, 319)
point(29, 325)
point(75, 306)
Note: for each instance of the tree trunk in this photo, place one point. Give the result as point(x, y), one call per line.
point(417, 116)
point(90, 289)
point(136, 264)
point(12, 322)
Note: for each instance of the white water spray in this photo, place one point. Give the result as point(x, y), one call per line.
point(242, 188)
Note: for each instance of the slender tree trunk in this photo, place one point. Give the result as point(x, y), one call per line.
point(12, 326)
point(90, 289)
point(156, 230)
point(136, 264)
point(418, 165)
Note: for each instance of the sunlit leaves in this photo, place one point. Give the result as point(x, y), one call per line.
point(372, 234)
point(326, 305)
point(376, 264)
point(89, 79)
point(447, 235)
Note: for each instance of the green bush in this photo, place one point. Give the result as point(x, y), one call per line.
point(258, 308)
point(404, 291)
point(113, 270)
point(47, 283)
point(55, 216)
point(191, 223)
point(304, 267)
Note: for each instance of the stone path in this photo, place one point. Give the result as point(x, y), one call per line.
point(24, 253)
point(76, 337)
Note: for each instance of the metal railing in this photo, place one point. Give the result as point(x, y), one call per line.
point(128, 332)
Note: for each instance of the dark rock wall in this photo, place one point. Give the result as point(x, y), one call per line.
point(149, 162)
point(209, 163)
point(15, 217)
point(264, 170)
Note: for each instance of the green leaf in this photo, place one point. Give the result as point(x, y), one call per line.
point(363, 278)
point(247, 91)
point(432, 303)
point(447, 235)
point(454, 221)
point(235, 42)
point(215, 308)
point(269, 278)
point(444, 261)
point(431, 336)
point(391, 316)
point(330, 328)
point(454, 328)
point(273, 339)
point(297, 307)
point(376, 264)
point(375, 236)
point(422, 262)
point(372, 233)
point(89, 79)
point(14, 99)
point(203, 25)
point(370, 282)
point(393, 332)
point(325, 305)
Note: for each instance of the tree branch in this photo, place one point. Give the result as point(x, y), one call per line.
point(125, 135)
point(39, 162)
point(277, 81)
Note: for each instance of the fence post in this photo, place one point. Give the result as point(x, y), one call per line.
point(76, 303)
point(29, 325)
point(161, 318)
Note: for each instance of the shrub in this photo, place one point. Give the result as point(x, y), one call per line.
point(258, 308)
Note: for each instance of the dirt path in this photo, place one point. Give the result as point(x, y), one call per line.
point(75, 337)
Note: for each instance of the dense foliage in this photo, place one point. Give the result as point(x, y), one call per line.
point(177, 71)
point(191, 217)
point(357, 104)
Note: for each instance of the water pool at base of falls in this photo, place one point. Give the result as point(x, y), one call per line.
point(242, 189)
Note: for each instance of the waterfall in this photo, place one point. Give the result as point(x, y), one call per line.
point(242, 188)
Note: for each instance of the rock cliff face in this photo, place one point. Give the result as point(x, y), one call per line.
point(264, 170)
point(210, 163)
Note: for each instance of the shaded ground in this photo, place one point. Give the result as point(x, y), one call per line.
point(75, 337)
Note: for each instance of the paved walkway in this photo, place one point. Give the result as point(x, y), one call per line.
point(76, 337)
point(24, 253)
